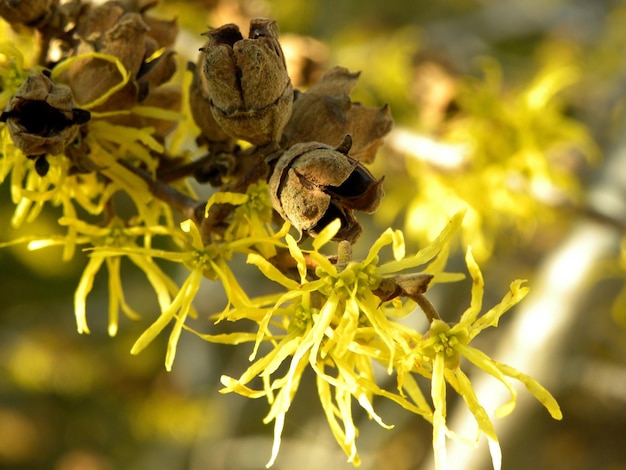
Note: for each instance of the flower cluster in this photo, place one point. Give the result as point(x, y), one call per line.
point(99, 128)
point(336, 320)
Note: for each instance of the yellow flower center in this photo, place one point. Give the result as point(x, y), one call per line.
point(352, 281)
point(259, 201)
point(204, 259)
point(301, 319)
point(442, 339)
point(117, 238)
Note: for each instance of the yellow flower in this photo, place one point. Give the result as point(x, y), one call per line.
point(253, 216)
point(437, 356)
point(201, 261)
point(112, 237)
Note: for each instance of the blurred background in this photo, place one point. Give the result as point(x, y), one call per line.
point(470, 83)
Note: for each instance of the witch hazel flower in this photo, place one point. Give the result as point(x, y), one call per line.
point(438, 356)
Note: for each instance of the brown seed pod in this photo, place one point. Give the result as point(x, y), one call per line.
point(41, 116)
point(313, 183)
point(200, 105)
point(326, 114)
point(247, 82)
point(27, 12)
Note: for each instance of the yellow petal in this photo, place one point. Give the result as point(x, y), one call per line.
point(483, 361)
point(427, 253)
point(490, 319)
point(115, 293)
point(233, 385)
point(192, 282)
point(398, 246)
point(188, 226)
point(462, 385)
point(223, 197)
point(344, 332)
point(82, 290)
point(438, 394)
point(407, 384)
point(283, 402)
point(326, 234)
point(160, 282)
point(297, 254)
point(272, 360)
point(478, 287)
point(225, 338)
point(385, 239)
point(234, 293)
point(367, 406)
point(65, 64)
point(190, 287)
point(331, 412)
point(534, 387)
point(279, 423)
point(271, 272)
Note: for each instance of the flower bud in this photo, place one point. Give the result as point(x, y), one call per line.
point(312, 184)
point(247, 82)
point(41, 117)
point(326, 114)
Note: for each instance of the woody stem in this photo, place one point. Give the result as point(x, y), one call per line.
point(187, 206)
point(429, 309)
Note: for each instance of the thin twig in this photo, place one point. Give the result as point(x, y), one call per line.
point(187, 206)
point(429, 309)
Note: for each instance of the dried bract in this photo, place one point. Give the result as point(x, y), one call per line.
point(117, 30)
point(313, 183)
point(247, 82)
point(41, 116)
point(326, 114)
point(27, 12)
point(403, 285)
point(92, 78)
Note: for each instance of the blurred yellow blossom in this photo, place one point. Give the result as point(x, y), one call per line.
point(515, 163)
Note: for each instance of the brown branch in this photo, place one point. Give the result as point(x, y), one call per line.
point(187, 206)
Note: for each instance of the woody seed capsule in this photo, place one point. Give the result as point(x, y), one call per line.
point(41, 117)
point(247, 84)
point(312, 184)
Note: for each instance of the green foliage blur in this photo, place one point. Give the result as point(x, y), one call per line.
point(70, 402)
